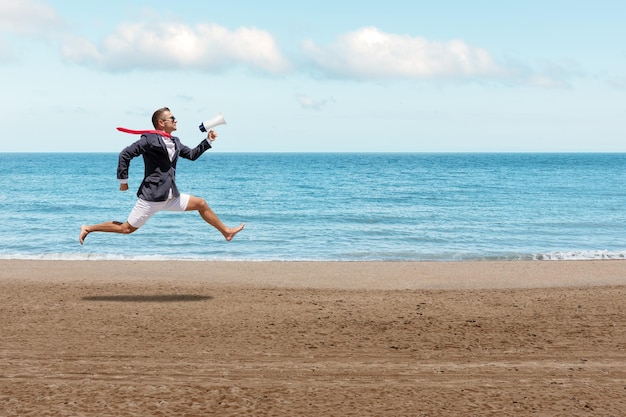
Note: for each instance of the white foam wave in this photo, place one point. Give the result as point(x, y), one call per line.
point(579, 255)
point(548, 256)
point(110, 257)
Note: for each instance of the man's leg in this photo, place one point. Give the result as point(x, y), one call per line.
point(138, 216)
point(211, 218)
point(109, 227)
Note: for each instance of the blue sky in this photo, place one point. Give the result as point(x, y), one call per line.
point(323, 76)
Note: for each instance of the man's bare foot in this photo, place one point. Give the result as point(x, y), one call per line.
point(233, 231)
point(83, 234)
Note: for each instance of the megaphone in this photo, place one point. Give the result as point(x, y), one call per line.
point(216, 121)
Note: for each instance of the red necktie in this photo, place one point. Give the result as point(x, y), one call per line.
point(141, 132)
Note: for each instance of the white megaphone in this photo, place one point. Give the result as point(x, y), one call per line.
point(216, 121)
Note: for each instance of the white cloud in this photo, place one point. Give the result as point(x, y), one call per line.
point(365, 54)
point(28, 17)
point(370, 53)
point(207, 47)
point(309, 103)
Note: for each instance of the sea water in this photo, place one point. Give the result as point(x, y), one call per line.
point(325, 206)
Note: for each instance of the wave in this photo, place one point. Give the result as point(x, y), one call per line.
point(581, 255)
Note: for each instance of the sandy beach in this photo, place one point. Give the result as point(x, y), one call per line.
point(139, 338)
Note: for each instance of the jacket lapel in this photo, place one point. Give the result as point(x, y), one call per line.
point(176, 148)
point(162, 143)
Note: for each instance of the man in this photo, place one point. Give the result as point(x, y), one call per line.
point(158, 191)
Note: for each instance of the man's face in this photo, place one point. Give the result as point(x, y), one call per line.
point(168, 121)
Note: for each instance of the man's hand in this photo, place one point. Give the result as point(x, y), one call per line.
point(123, 187)
point(211, 136)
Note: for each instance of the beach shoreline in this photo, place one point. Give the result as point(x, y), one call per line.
point(382, 275)
point(143, 338)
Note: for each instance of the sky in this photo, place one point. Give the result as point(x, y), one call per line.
point(317, 76)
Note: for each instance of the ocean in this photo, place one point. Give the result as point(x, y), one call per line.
point(326, 207)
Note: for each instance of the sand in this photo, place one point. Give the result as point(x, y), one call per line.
point(122, 338)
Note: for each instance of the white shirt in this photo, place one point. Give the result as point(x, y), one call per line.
point(171, 147)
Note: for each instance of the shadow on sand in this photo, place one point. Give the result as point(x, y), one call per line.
point(158, 298)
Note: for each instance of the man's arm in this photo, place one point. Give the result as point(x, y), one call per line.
point(123, 162)
point(195, 153)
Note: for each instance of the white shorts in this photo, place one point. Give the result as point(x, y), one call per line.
point(143, 209)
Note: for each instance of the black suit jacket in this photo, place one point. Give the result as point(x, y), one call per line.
point(159, 171)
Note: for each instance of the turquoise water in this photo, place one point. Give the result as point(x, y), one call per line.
point(326, 207)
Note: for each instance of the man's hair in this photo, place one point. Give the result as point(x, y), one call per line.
point(157, 116)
